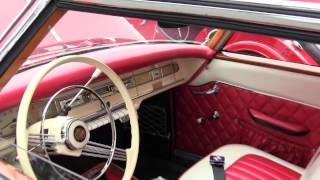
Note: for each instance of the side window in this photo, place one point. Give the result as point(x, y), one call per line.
point(274, 48)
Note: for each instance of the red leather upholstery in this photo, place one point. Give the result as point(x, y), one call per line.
point(245, 163)
point(286, 127)
point(251, 167)
point(114, 172)
point(235, 124)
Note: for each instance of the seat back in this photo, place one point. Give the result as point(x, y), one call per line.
point(312, 171)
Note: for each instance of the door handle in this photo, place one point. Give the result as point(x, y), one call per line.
point(213, 90)
point(289, 128)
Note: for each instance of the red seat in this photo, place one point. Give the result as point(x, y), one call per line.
point(257, 167)
point(247, 163)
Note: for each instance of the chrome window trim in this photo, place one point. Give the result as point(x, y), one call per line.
point(283, 4)
point(262, 18)
point(16, 19)
point(22, 28)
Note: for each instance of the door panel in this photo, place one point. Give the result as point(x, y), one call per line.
point(236, 125)
point(271, 105)
point(295, 82)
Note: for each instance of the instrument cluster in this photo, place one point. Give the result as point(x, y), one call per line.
point(104, 88)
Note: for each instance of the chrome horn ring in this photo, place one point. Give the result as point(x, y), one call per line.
point(66, 128)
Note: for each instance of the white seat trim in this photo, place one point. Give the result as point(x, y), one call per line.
point(203, 170)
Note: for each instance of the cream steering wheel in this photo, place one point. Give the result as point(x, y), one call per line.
point(22, 133)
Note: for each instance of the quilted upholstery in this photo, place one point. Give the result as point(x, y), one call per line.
point(236, 126)
point(251, 167)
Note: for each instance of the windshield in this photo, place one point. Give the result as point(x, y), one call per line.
point(79, 31)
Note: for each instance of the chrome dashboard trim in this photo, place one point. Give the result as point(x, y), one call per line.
point(120, 107)
point(66, 96)
point(107, 88)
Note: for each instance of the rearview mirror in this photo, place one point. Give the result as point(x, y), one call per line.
point(165, 25)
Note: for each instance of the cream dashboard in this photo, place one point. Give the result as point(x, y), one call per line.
point(142, 83)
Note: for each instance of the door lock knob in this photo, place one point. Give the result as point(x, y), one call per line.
point(215, 115)
point(200, 120)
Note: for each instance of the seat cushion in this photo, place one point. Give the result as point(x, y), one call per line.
point(236, 156)
point(257, 167)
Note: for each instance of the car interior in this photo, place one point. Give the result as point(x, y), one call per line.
point(182, 103)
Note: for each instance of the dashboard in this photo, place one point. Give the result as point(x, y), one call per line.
point(143, 81)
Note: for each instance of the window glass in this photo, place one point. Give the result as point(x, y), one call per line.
point(274, 48)
point(78, 31)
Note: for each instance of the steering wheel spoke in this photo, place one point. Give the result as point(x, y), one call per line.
point(34, 141)
point(121, 114)
point(99, 150)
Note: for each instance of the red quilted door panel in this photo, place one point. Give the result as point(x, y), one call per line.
point(236, 124)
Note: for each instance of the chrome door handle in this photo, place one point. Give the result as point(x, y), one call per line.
point(213, 90)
